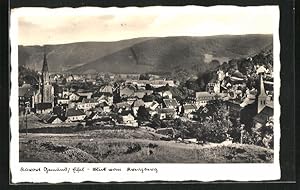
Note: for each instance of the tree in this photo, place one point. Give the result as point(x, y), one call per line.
point(156, 122)
point(215, 125)
point(143, 114)
point(211, 131)
point(64, 81)
point(144, 77)
point(148, 87)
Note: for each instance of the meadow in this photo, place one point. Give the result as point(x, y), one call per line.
point(131, 146)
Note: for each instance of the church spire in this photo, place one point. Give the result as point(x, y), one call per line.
point(262, 87)
point(45, 71)
point(45, 65)
point(262, 97)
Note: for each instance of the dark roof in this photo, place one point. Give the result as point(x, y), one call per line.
point(263, 116)
point(43, 106)
point(74, 112)
point(166, 110)
point(125, 112)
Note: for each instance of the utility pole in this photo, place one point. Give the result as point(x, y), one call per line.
point(242, 132)
point(26, 112)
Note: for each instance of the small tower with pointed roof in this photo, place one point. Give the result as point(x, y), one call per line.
point(262, 97)
point(45, 71)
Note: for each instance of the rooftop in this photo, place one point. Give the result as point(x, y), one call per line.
point(74, 112)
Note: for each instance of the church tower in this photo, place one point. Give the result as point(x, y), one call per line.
point(45, 71)
point(262, 97)
point(47, 90)
point(44, 98)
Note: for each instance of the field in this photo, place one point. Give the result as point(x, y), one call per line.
point(131, 146)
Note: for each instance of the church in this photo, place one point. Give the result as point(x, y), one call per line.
point(43, 99)
point(264, 107)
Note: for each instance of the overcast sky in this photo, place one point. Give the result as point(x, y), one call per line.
point(39, 26)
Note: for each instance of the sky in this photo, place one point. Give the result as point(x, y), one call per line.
point(40, 26)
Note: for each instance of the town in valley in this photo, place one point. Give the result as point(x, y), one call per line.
point(231, 104)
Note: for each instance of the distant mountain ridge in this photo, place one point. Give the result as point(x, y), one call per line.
point(142, 55)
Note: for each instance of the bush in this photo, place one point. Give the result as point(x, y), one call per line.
point(212, 132)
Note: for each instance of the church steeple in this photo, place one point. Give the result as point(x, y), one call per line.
point(45, 71)
point(262, 97)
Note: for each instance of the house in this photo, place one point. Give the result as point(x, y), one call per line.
point(141, 93)
point(87, 104)
point(152, 105)
point(154, 83)
point(65, 93)
point(60, 110)
point(43, 107)
point(193, 140)
point(202, 98)
point(105, 107)
point(261, 70)
point(127, 91)
point(70, 78)
point(106, 89)
point(127, 118)
point(151, 112)
point(74, 96)
point(170, 103)
point(166, 113)
point(188, 108)
point(221, 75)
point(130, 100)
point(50, 118)
point(94, 116)
point(263, 117)
point(74, 114)
point(86, 94)
point(213, 87)
point(25, 94)
point(63, 101)
point(166, 94)
point(104, 97)
point(123, 106)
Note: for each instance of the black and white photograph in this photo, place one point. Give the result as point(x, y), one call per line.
point(193, 86)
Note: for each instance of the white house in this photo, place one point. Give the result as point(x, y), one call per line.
point(127, 118)
point(74, 96)
point(87, 104)
point(166, 94)
point(105, 107)
point(74, 114)
point(63, 100)
point(203, 97)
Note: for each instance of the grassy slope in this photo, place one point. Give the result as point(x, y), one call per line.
point(131, 146)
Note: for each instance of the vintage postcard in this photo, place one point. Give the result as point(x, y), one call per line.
point(134, 94)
